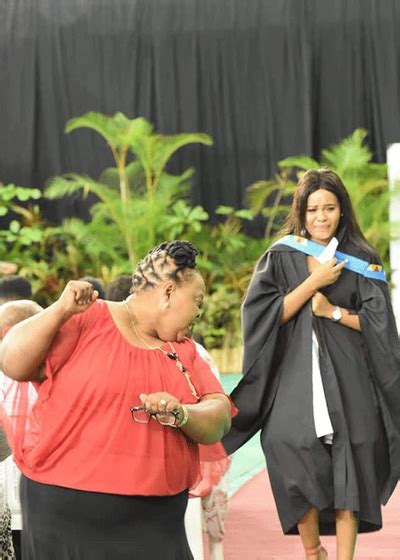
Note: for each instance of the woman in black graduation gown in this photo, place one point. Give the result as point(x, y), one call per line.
point(322, 373)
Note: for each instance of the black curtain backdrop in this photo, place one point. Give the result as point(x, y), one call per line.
point(265, 78)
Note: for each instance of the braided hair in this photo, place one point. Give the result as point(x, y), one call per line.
point(175, 260)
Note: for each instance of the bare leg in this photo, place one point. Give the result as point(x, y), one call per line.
point(346, 534)
point(309, 532)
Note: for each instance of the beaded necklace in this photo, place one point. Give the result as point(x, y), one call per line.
point(172, 354)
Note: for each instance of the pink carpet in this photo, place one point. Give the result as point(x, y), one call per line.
point(253, 531)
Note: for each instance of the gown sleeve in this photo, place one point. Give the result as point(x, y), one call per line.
point(379, 333)
point(261, 314)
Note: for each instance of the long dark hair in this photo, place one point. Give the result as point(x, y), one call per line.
point(348, 231)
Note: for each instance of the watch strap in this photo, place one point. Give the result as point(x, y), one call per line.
point(185, 417)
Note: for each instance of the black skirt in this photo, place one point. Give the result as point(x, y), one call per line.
point(66, 524)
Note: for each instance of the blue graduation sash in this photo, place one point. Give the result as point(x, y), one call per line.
point(359, 266)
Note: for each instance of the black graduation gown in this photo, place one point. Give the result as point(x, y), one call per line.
point(361, 378)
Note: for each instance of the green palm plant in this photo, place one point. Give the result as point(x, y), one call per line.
point(25, 229)
point(270, 199)
point(366, 182)
point(227, 258)
point(10, 197)
point(136, 195)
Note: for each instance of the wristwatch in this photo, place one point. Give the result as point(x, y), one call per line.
point(336, 315)
point(184, 419)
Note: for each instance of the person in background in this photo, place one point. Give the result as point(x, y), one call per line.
point(14, 287)
point(6, 540)
point(322, 372)
point(214, 503)
point(7, 268)
point(120, 288)
point(124, 400)
point(97, 285)
point(12, 313)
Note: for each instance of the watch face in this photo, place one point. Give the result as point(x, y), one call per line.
point(337, 315)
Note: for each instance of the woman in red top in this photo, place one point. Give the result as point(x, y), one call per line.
point(110, 449)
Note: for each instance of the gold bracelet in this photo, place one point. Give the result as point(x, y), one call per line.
point(185, 417)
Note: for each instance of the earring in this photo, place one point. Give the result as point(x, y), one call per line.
point(303, 232)
point(166, 304)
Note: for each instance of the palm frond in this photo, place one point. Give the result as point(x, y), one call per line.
point(165, 147)
point(303, 162)
point(113, 129)
point(134, 174)
point(258, 193)
point(155, 150)
point(140, 139)
point(175, 186)
point(351, 154)
point(70, 183)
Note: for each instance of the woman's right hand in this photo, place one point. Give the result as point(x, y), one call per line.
point(326, 274)
point(77, 296)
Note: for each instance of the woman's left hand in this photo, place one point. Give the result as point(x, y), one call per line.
point(160, 402)
point(321, 306)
